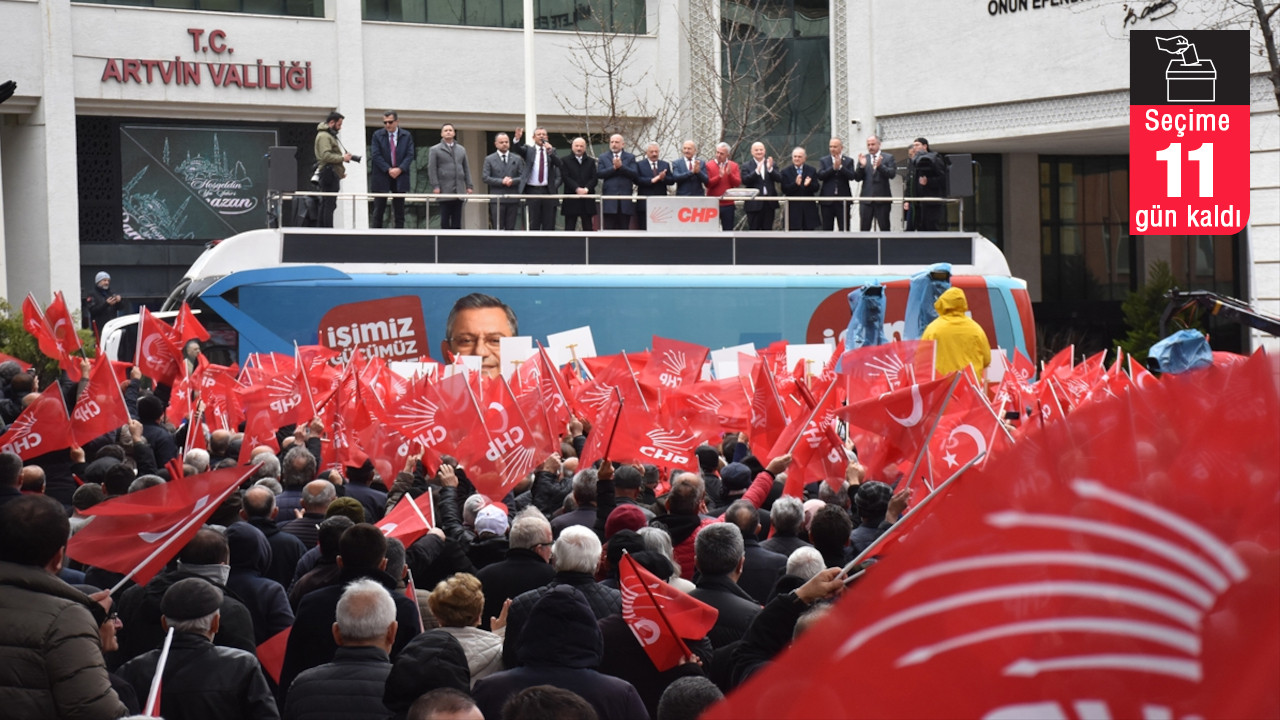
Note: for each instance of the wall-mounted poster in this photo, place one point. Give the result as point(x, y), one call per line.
point(192, 183)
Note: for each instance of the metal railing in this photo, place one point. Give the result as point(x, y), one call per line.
point(276, 200)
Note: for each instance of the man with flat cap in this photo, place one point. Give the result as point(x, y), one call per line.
point(201, 680)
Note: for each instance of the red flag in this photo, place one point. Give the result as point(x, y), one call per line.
point(1099, 569)
point(711, 408)
point(968, 428)
point(768, 420)
point(876, 369)
point(509, 451)
point(673, 364)
point(26, 366)
point(271, 653)
point(661, 616)
point(410, 519)
point(35, 323)
point(899, 422)
point(640, 437)
point(64, 327)
point(140, 532)
point(188, 327)
point(603, 427)
point(816, 451)
point(1061, 362)
point(100, 409)
point(41, 428)
point(258, 431)
point(159, 352)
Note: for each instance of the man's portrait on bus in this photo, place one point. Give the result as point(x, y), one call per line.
point(476, 325)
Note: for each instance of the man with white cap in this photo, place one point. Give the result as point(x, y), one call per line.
point(103, 304)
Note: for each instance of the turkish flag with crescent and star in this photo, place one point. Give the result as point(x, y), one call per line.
point(410, 519)
point(39, 326)
point(159, 351)
point(1120, 564)
point(661, 616)
point(140, 532)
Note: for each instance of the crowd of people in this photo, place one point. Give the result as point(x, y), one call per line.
point(624, 181)
point(508, 608)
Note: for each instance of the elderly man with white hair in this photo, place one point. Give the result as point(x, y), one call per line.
point(575, 555)
point(352, 685)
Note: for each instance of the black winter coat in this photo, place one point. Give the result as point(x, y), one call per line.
point(350, 687)
point(204, 682)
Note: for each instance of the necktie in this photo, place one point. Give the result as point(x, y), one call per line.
point(393, 148)
point(542, 165)
point(655, 167)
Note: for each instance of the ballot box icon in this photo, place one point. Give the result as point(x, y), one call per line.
point(1189, 78)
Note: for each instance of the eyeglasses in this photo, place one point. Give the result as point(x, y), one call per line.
point(463, 343)
point(388, 122)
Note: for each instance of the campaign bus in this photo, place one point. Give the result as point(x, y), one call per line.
point(390, 292)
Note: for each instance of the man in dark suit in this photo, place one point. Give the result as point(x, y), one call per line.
point(760, 173)
point(503, 172)
point(617, 170)
point(689, 172)
point(541, 177)
point(579, 174)
point(391, 154)
point(800, 181)
point(875, 169)
point(653, 177)
point(835, 171)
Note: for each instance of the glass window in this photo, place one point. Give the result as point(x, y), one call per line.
point(296, 8)
point(445, 12)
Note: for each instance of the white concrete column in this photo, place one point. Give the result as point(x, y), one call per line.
point(475, 214)
point(348, 28)
point(4, 253)
point(42, 242)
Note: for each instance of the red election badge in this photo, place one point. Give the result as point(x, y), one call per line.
point(1188, 132)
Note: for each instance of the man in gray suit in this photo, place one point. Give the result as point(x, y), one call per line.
point(874, 171)
point(504, 174)
point(449, 173)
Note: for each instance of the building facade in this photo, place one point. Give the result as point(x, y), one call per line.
point(138, 127)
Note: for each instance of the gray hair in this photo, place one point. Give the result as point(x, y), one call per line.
point(529, 529)
point(270, 466)
point(584, 486)
point(718, 549)
point(786, 515)
point(271, 484)
point(396, 558)
point(724, 145)
point(197, 458)
point(365, 611)
point(299, 467)
point(831, 496)
point(318, 494)
point(145, 481)
point(577, 550)
point(805, 562)
point(472, 506)
point(658, 540)
point(199, 626)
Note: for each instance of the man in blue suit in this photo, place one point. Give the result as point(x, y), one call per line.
point(391, 154)
point(690, 172)
point(836, 172)
point(653, 177)
point(616, 169)
point(800, 181)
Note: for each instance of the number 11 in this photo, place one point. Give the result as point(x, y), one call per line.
point(1172, 157)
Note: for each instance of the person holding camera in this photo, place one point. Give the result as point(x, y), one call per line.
point(330, 169)
point(103, 305)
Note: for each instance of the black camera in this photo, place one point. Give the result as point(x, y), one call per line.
point(874, 291)
point(355, 158)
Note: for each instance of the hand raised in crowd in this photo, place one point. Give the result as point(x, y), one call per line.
point(317, 427)
point(519, 133)
point(500, 622)
point(575, 427)
point(606, 470)
point(135, 429)
point(411, 463)
point(898, 505)
point(855, 473)
point(135, 373)
point(552, 463)
point(446, 476)
point(77, 454)
point(778, 464)
point(826, 584)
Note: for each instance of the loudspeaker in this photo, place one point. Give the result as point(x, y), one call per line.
point(282, 169)
point(960, 175)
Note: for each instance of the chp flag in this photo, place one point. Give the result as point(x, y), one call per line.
point(100, 409)
point(42, 428)
point(1119, 565)
point(138, 533)
point(661, 616)
point(410, 519)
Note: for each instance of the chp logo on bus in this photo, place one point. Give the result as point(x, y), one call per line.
point(391, 328)
point(1188, 132)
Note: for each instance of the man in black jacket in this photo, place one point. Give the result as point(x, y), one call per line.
point(719, 555)
point(526, 567)
point(201, 680)
point(352, 685)
point(259, 510)
point(761, 568)
point(362, 553)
